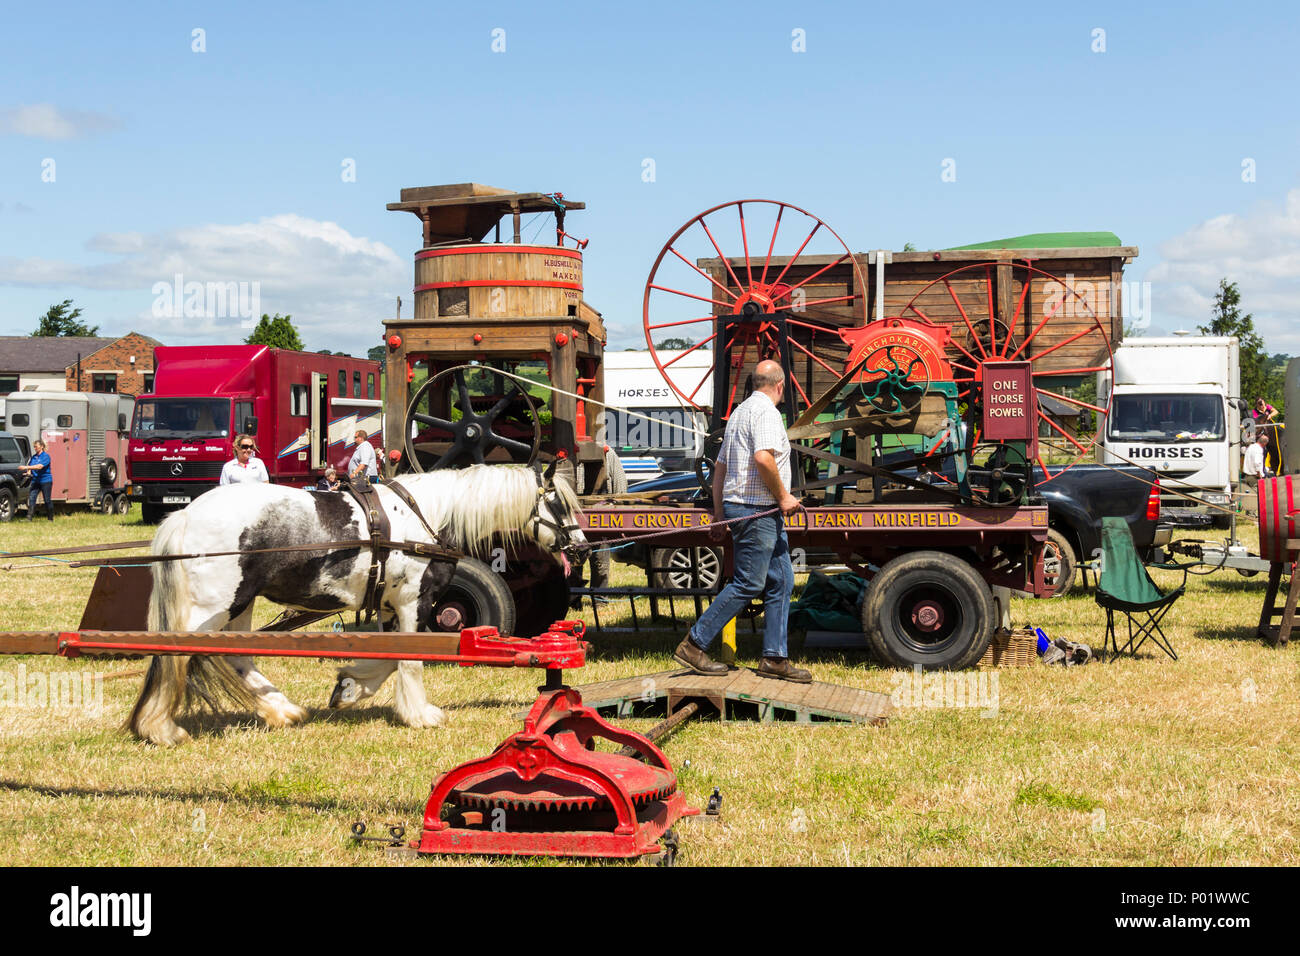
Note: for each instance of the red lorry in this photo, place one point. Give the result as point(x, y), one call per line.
point(303, 408)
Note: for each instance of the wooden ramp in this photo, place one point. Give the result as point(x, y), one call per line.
point(738, 695)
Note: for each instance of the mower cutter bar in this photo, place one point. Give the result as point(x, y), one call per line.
point(559, 648)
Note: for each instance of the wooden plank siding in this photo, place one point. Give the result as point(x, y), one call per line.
point(1096, 274)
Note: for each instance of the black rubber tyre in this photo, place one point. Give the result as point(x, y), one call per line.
point(477, 597)
point(540, 592)
point(107, 473)
point(7, 505)
point(955, 605)
point(708, 561)
point(106, 505)
point(151, 513)
point(1220, 522)
point(1061, 552)
point(122, 504)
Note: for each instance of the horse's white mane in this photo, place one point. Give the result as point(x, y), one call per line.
point(468, 505)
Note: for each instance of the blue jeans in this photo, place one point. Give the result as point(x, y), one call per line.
point(762, 566)
point(40, 488)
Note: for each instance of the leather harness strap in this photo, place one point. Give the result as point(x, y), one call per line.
point(407, 500)
point(379, 529)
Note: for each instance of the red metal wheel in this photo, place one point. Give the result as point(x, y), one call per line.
point(1076, 350)
point(695, 291)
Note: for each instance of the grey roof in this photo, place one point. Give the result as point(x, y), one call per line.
point(1057, 408)
point(48, 353)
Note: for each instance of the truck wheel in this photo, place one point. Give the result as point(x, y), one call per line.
point(1059, 563)
point(6, 505)
point(122, 504)
point(476, 597)
point(106, 504)
point(107, 473)
point(678, 561)
point(930, 609)
point(151, 513)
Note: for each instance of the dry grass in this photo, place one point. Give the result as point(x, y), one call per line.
point(1144, 761)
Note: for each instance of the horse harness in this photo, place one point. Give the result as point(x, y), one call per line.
point(379, 531)
point(563, 533)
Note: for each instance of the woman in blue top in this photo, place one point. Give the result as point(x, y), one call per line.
point(42, 480)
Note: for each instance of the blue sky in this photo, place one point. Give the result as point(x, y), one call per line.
point(226, 164)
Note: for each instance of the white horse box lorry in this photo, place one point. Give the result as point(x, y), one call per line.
point(1175, 408)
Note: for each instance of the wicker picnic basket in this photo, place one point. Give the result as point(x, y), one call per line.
point(1014, 648)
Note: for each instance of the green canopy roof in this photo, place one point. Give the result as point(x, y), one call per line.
point(1049, 240)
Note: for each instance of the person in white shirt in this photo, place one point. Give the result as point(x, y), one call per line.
point(1253, 468)
point(363, 460)
point(244, 467)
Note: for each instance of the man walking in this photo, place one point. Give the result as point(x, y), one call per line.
point(752, 476)
point(38, 466)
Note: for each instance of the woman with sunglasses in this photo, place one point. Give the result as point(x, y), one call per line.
point(244, 467)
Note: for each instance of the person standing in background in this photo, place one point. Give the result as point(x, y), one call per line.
point(38, 466)
point(244, 467)
point(363, 466)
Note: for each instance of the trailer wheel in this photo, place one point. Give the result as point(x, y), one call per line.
point(476, 597)
point(1059, 563)
point(6, 505)
point(107, 473)
point(122, 504)
point(106, 504)
point(677, 562)
point(930, 609)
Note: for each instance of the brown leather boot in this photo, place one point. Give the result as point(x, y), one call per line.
point(782, 668)
point(689, 655)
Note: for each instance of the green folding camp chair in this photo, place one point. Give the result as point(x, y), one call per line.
point(1127, 589)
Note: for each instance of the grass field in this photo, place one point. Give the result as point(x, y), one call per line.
point(1145, 761)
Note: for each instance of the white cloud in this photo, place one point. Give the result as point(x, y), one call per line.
point(337, 286)
point(1259, 250)
point(47, 121)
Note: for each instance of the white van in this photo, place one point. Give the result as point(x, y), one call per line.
point(1175, 409)
point(674, 433)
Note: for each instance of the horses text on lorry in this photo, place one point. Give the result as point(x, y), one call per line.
point(302, 408)
point(1174, 409)
point(85, 434)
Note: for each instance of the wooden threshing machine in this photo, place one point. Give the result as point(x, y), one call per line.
point(912, 402)
point(485, 303)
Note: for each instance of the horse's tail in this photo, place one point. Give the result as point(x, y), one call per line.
point(172, 683)
point(170, 604)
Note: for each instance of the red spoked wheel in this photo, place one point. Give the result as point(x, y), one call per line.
point(784, 266)
point(1053, 326)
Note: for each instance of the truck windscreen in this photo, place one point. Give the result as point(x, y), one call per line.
point(662, 431)
point(1166, 418)
point(162, 418)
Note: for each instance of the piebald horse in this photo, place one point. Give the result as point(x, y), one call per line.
point(465, 507)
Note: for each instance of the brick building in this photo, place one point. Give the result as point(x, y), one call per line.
point(50, 363)
point(123, 365)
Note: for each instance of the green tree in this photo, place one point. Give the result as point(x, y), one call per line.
point(61, 319)
point(377, 354)
point(1229, 320)
point(668, 344)
point(277, 332)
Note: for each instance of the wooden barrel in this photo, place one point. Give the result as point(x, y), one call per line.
point(497, 281)
point(1279, 502)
